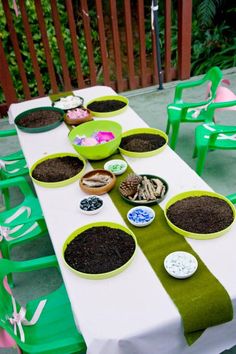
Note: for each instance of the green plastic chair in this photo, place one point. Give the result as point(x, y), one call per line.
point(21, 223)
point(11, 165)
point(185, 112)
point(211, 136)
point(55, 331)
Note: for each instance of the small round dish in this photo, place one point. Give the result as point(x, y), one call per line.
point(118, 167)
point(91, 205)
point(141, 216)
point(180, 265)
point(130, 199)
point(97, 182)
point(68, 102)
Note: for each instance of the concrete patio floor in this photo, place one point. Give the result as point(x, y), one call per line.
point(150, 104)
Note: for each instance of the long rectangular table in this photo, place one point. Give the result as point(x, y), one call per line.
point(130, 313)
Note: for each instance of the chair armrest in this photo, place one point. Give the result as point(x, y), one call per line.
point(232, 198)
point(217, 105)
point(184, 85)
point(221, 130)
point(17, 182)
point(8, 132)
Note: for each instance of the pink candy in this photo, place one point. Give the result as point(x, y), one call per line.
point(77, 113)
point(89, 142)
point(100, 137)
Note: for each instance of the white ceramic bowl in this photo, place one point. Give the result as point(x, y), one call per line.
point(141, 216)
point(88, 201)
point(180, 264)
point(116, 166)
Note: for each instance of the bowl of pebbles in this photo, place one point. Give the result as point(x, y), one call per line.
point(91, 205)
point(141, 216)
point(143, 189)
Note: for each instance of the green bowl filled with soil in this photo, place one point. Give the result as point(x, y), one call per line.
point(143, 189)
point(107, 106)
point(57, 170)
point(40, 119)
point(99, 250)
point(200, 214)
point(87, 130)
point(143, 142)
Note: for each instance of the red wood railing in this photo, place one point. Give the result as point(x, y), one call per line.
point(125, 62)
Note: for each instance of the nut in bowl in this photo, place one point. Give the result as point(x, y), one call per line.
point(97, 182)
point(91, 205)
point(141, 216)
point(116, 166)
point(143, 189)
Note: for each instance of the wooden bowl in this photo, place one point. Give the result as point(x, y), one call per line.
point(77, 121)
point(97, 190)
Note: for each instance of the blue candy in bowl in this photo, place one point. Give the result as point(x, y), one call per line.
point(141, 216)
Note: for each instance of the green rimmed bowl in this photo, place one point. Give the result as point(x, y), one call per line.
point(40, 129)
point(144, 131)
point(60, 183)
point(198, 193)
point(112, 273)
point(100, 151)
point(148, 202)
point(108, 98)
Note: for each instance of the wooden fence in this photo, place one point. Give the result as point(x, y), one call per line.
point(105, 42)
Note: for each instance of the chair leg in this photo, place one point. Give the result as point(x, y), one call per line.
point(195, 152)
point(6, 254)
point(175, 133)
point(202, 153)
point(6, 198)
point(168, 127)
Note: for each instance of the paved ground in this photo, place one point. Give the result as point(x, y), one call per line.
point(150, 104)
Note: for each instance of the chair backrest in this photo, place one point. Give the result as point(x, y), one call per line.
point(214, 75)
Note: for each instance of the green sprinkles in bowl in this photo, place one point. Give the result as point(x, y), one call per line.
point(116, 166)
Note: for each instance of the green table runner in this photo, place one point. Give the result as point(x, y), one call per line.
point(201, 300)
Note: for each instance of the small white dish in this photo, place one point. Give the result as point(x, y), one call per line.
point(69, 102)
point(116, 166)
point(180, 264)
point(91, 205)
point(141, 216)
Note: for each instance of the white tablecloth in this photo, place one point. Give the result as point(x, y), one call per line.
point(130, 313)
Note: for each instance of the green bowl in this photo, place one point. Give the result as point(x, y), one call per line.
point(100, 151)
point(197, 193)
point(107, 274)
point(106, 98)
point(43, 128)
point(144, 131)
point(60, 183)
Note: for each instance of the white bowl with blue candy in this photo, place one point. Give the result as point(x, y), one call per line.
point(141, 216)
point(91, 205)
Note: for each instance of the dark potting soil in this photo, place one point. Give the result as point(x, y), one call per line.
point(57, 169)
point(106, 105)
point(203, 214)
point(99, 249)
point(142, 142)
point(39, 118)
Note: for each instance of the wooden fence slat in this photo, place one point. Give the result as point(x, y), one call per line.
point(168, 40)
point(184, 38)
point(73, 34)
point(130, 44)
point(116, 43)
point(102, 38)
point(142, 41)
point(88, 38)
point(154, 56)
point(5, 78)
point(47, 51)
point(16, 48)
point(62, 53)
point(32, 50)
